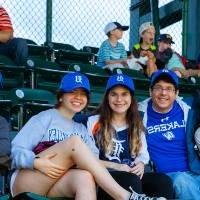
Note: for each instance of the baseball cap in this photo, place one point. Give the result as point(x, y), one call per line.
point(73, 81)
point(114, 25)
point(120, 79)
point(164, 72)
point(167, 38)
point(145, 26)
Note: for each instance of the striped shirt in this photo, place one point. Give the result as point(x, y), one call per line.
point(5, 22)
point(108, 52)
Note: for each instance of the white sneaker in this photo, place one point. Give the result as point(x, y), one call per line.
point(136, 196)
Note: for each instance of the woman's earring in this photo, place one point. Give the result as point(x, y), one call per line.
point(60, 100)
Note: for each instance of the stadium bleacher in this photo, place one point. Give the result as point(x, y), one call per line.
point(30, 89)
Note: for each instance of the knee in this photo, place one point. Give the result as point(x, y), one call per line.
point(86, 178)
point(180, 182)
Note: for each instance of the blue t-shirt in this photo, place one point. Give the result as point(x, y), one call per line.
point(166, 139)
point(108, 52)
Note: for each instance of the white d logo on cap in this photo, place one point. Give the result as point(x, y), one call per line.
point(78, 79)
point(120, 78)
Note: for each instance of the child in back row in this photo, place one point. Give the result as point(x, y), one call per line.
point(169, 59)
point(112, 53)
point(145, 50)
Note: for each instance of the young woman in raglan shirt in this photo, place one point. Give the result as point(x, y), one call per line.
point(51, 154)
point(120, 137)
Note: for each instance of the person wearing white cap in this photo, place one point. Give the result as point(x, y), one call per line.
point(112, 53)
point(145, 48)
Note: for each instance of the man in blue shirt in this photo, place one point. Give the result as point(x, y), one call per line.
point(170, 123)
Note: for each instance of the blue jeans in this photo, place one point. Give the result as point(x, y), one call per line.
point(16, 49)
point(186, 185)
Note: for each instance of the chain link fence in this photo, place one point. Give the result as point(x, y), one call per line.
point(79, 22)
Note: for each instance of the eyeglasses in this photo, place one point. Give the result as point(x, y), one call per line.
point(160, 89)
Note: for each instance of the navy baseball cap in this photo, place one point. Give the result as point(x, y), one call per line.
point(164, 72)
point(120, 79)
point(166, 38)
point(73, 81)
point(114, 25)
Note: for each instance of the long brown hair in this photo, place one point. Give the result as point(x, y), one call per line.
point(106, 131)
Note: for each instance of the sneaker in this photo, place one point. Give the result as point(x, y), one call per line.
point(136, 196)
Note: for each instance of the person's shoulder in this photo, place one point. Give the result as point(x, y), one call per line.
point(3, 120)
point(51, 111)
point(153, 47)
point(45, 116)
point(120, 44)
point(79, 127)
point(93, 118)
point(137, 46)
point(105, 43)
point(143, 104)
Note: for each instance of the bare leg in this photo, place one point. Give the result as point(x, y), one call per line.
point(75, 182)
point(69, 152)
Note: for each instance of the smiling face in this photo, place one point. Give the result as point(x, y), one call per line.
point(119, 99)
point(163, 96)
point(73, 102)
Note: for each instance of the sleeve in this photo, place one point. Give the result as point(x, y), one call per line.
point(124, 54)
point(104, 52)
point(90, 126)
point(89, 140)
point(175, 61)
point(143, 155)
point(28, 137)
point(4, 137)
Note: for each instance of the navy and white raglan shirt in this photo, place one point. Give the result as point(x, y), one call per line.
point(166, 138)
point(48, 125)
point(120, 152)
